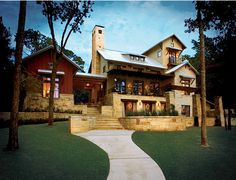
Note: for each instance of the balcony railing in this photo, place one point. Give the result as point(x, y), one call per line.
point(158, 92)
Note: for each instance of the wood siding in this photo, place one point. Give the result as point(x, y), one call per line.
point(41, 61)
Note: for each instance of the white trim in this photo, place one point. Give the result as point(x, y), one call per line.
point(50, 72)
point(90, 75)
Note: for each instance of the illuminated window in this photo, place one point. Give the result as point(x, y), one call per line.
point(120, 86)
point(46, 87)
point(138, 87)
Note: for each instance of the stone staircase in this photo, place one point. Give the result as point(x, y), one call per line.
point(106, 122)
point(93, 111)
point(103, 122)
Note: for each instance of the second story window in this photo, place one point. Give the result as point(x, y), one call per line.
point(120, 85)
point(104, 69)
point(159, 53)
point(185, 83)
point(172, 58)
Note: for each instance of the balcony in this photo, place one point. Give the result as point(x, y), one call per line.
point(157, 93)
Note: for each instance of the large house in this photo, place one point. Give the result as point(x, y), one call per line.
point(126, 82)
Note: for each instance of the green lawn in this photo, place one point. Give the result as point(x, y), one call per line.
point(180, 156)
point(52, 153)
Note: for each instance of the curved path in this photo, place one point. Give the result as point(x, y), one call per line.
point(127, 160)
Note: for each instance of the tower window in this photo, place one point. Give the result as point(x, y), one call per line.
point(100, 31)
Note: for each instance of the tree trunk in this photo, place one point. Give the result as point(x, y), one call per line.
point(203, 81)
point(52, 87)
point(13, 128)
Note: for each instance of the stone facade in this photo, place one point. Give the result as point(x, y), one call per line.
point(35, 101)
point(118, 105)
point(156, 123)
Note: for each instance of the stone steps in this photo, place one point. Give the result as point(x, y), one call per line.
point(104, 122)
point(93, 111)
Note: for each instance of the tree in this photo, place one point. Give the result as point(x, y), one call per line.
point(201, 24)
point(35, 40)
point(221, 17)
point(6, 68)
point(13, 128)
point(72, 13)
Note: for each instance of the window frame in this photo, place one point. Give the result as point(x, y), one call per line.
point(47, 80)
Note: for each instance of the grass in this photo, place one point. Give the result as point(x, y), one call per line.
point(180, 155)
point(52, 153)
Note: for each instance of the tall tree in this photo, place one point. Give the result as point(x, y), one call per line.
point(72, 13)
point(6, 68)
point(220, 17)
point(201, 25)
point(13, 128)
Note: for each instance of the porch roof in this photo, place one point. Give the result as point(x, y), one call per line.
point(99, 76)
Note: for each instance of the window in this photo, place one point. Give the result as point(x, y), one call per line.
point(46, 87)
point(120, 85)
point(104, 69)
point(138, 87)
point(185, 110)
point(172, 44)
point(185, 83)
point(154, 88)
point(100, 31)
point(172, 58)
point(149, 106)
point(159, 53)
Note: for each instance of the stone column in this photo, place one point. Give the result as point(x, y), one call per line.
point(197, 108)
point(219, 110)
point(170, 99)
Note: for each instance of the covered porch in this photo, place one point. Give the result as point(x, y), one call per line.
point(89, 89)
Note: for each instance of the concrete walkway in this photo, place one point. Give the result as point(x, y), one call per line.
point(127, 161)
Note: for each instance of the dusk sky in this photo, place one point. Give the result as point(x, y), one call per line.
point(130, 26)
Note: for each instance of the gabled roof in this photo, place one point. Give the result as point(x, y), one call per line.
point(117, 56)
point(185, 62)
point(173, 35)
point(49, 48)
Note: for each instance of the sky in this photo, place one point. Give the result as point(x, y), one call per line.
point(130, 26)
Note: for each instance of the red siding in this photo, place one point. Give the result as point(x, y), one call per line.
point(41, 61)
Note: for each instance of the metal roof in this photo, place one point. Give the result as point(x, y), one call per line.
point(91, 75)
point(179, 66)
point(118, 56)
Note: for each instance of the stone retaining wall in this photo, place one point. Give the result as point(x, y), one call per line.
point(81, 123)
point(35, 115)
point(156, 123)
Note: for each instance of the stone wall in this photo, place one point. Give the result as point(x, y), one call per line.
point(118, 105)
point(81, 123)
point(107, 111)
point(35, 115)
point(156, 123)
point(35, 102)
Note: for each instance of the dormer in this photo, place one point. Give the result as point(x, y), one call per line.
point(135, 57)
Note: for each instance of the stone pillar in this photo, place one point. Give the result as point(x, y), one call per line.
point(170, 99)
point(219, 110)
point(197, 108)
